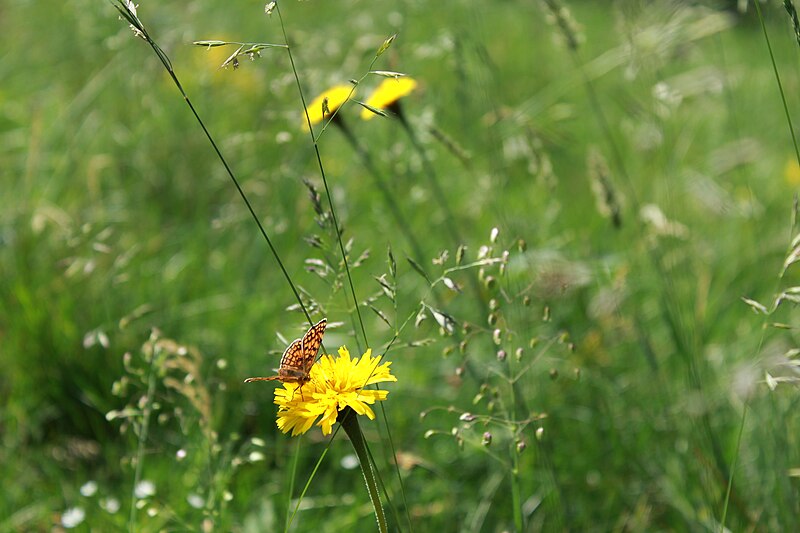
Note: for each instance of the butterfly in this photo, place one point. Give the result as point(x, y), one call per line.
point(298, 358)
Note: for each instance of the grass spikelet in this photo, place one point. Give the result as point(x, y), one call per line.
point(606, 197)
point(560, 16)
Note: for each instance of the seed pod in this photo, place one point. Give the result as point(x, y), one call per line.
point(460, 254)
point(497, 336)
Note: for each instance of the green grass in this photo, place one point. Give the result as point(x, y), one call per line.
point(632, 350)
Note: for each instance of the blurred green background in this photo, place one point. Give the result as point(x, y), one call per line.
point(632, 379)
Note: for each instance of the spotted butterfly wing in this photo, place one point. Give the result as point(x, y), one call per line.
point(298, 358)
point(311, 342)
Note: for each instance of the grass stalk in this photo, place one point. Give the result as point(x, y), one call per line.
point(362, 448)
point(790, 9)
point(669, 308)
point(331, 205)
point(734, 462)
point(778, 81)
point(516, 497)
point(143, 431)
point(125, 10)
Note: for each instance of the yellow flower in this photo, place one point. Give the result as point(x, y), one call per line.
point(792, 172)
point(388, 93)
point(334, 384)
point(336, 97)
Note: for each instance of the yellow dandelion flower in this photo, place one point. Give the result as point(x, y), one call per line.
point(335, 384)
point(387, 94)
point(327, 103)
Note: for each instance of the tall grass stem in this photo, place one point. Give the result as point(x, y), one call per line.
point(323, 176)
point(143, 431)
point(133, 19)
point(778, 81)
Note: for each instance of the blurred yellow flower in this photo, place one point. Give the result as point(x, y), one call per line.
point(336, 383)
point(327, 103)
point(791, 172)
point(387, 94)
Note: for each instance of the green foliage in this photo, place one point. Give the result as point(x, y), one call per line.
point(582, 211)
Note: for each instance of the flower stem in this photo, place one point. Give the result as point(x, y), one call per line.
point(143, 430)
point(349, 421)
point(516, 498)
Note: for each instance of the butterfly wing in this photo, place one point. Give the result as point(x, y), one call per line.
point(290, 366)
point(292, 358)
point(297, 360)
point(312, 340)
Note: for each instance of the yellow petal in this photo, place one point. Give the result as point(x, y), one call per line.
point(388, 92)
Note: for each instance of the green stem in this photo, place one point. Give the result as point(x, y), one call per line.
point(722, 527)
point(778, 81)
point(331, 206)
point(133, 19)
point(516, 500)
point(146, 411)
point(349, 421)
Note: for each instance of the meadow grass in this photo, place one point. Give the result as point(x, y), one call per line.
point(555, 262)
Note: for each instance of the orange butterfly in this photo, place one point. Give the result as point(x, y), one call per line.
point(298, 358)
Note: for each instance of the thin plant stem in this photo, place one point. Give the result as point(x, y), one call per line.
point(140, 30)
point(324, 178)
point(778, 81)
point(669, 308)
point(364, 453)
point(734, 462)
point(295, 464)
point(310, 478)
point(516, 499)
point(780, 277)
point(143, 431)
